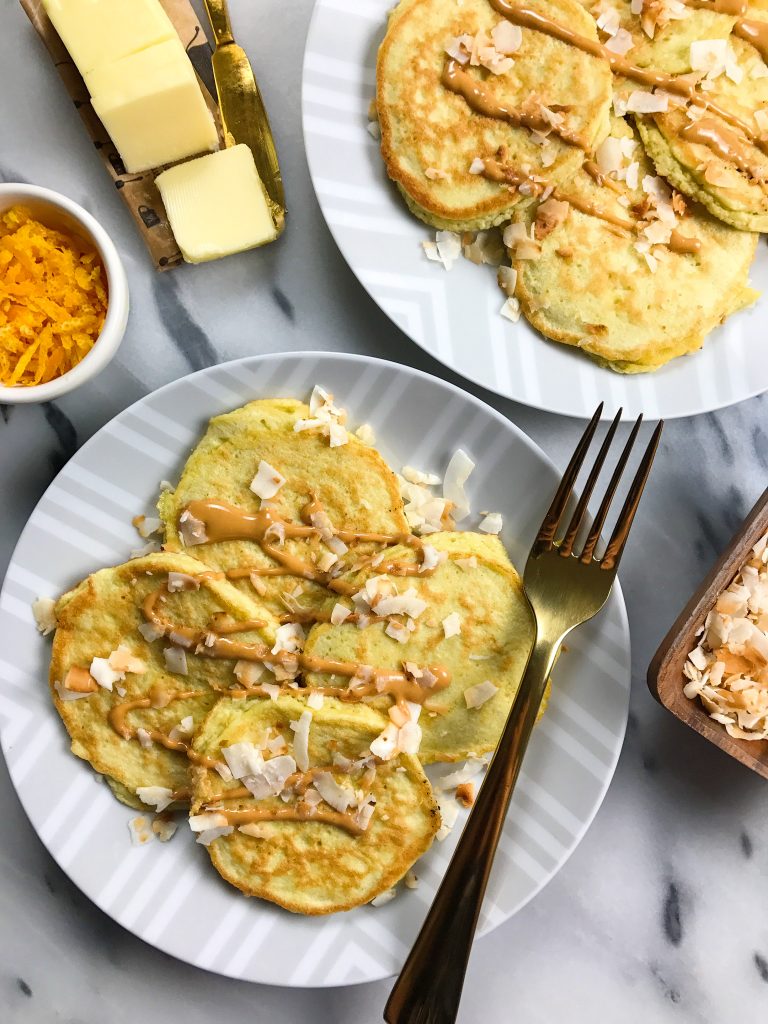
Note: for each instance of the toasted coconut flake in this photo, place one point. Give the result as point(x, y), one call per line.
point(301, 739)
point(511, 310)
point(476, 696)
point(249, 673)
point(385, 744)
point(182, 581)
point(384, 897)
point(64, 693)
point(609, 156)
point(456, 475)
point(507, 37)
point(468, 771)
point(338, 796)
point(477, 166)
point(124, 660)
point(155, 796)
point(418, 476)
point(150, 631)
point(620, 43)
point(492, 522)
point(366, 434)
point(243, 759)
point(44, 612)
point(449, 812)
point(374, 130)
point(452, 625)
point(191, 530)
point(507, 278)
point(550, 215)
point(140, 828)
point(643, 102)
point(339, 614)
point(411, 879)
point(448, 247)
point(460, 48)
point(144, 738)
point(435, 174)
point(150, 548)
point(269, 777)
point(147, 525)
point(289, 637)
point(164, 828)
point(104, 674)
point(315, 700)
point(175, 660)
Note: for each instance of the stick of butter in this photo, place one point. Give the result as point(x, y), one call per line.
point(216, 205)
point(100, 31)
point(151, 105)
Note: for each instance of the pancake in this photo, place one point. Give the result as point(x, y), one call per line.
point(496, 635)
point(105, 611)
point(355, 486)
point(314, 866)
point(430, 135)
point(729, 176)
point(673, 28)
point(615, 307)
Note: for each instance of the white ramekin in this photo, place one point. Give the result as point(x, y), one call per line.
point(56, 211)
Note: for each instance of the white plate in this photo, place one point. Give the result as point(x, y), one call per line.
point(168, 894)
point(455, 315)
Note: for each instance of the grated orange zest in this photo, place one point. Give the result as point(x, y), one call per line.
point(53, 300)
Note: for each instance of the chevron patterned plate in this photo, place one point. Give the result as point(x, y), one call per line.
point(455, 315)
point(168, 894)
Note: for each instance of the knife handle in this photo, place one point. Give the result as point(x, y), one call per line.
point(218, 15)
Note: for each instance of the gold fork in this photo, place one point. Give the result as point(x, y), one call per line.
point(565, 589)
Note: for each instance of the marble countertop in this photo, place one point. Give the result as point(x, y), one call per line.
point(659, 914)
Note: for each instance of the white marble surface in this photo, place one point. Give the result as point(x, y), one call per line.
point(659, 915)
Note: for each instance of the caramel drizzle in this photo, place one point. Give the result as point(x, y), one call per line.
point(299, 782)
point(225, 522)
point(482, 100)
point(376, 680)
point(678, 84)
point(724, 143)
point(299, 812)
point(754, 32)
point(495, 171)
point(117, 719)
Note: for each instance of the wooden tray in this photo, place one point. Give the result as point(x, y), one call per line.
point(665, 674)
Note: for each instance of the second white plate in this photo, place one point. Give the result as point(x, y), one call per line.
point(455, 315)
point(168, 894)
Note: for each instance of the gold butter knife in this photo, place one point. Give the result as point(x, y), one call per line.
point(243, 114)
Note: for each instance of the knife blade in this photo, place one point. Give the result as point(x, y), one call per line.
point(243, 114)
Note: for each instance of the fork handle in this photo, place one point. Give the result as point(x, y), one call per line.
point(218, 15)
point(428, 990)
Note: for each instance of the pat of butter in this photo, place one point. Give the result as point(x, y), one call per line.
point(151, 104)
point(100, 31)
point(216, 205)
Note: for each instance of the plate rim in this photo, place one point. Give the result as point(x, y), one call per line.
point(616, 598)
point(606, 416)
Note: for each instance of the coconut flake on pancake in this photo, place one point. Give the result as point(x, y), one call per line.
point(300, 728)
point(175, 660)
point(158, 797)
point(476, 696)
point(43, 610)
point(267, 481)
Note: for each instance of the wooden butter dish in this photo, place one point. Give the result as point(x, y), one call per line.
point(665, 674)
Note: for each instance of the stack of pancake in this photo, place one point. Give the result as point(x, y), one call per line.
point(621, 145)
point(291, 658)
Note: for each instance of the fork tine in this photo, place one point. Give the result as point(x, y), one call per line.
point(597, 525)
point(566, 547)
point(616, 544)
point(548, 528)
